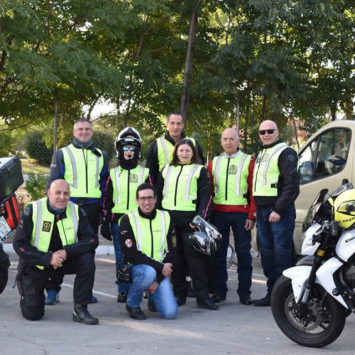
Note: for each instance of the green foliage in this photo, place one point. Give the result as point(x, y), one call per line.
point(36, 185)
point(36, 148)
point(104, 142)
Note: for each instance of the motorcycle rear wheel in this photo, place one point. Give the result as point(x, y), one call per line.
point(321, 322)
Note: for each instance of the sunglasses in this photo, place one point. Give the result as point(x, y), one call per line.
point(269, 131)
point(131, 149)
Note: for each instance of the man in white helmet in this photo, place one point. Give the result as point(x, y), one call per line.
point(120, 192)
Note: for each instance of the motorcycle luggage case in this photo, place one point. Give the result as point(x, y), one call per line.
point(10, 176)
point(9, 216)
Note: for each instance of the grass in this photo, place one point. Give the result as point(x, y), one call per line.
point(31, 166)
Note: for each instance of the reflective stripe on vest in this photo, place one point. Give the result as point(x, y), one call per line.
point(166, 149)
point(266, 171)
point(180, 186)
point(123, 202)
point(43, 223)
point(145, 240)
point(81, 171)
point(233, 193)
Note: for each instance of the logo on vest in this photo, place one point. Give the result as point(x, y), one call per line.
point(232, 170)
point(46, 227)
point(133, 178)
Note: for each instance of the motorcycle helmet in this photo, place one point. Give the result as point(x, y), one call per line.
point(344, 209)
point(205, 238)
point(131, 136)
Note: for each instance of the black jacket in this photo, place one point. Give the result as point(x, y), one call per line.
point(30, 255)
point(152, 155)
point(288, 184)
point(133, 256)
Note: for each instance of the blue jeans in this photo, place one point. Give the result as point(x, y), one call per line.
point(163, 297)
point(122, 287)
point(275, 242)
point(242, 241)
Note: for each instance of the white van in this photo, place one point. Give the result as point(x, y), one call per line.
point(325, 160)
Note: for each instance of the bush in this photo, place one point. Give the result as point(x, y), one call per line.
point(36, 148)
point(104, 142)
point(36, 185)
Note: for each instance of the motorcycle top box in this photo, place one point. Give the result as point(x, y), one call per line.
point(10, 176)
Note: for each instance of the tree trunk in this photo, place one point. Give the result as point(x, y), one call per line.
point(55, 122)
point(185, 99)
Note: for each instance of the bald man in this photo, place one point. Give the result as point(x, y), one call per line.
point(55, 236)
point(275, 188)
point(233, 207)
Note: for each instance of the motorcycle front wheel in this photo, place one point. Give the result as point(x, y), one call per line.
point(315, 324)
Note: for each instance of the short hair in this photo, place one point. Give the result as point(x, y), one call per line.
point(195, 158)
point(174, 113)
point(82, 120)
point(146, 186)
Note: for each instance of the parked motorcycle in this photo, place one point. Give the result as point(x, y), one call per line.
point(310, 301)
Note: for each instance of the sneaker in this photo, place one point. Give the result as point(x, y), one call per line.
point(122, 297)
point(135, 312)
point(52, 298)
point(262, 302)
point(93, 299)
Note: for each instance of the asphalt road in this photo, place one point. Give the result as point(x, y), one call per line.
point(233, 329)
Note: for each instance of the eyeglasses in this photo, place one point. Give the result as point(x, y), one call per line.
point(269, 131)
point(131, 149)
point(146, 198)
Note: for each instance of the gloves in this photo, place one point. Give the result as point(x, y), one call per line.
point(105, 227)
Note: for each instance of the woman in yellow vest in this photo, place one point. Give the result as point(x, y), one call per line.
point(184, 190)
point(120, 192)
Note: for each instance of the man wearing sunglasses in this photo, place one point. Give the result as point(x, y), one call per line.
point(120, 193)
point(275, 188)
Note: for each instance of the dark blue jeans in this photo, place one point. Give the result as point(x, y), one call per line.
point(275, 242)
point(242, 239)
point(122, 287)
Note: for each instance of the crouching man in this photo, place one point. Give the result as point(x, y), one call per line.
point(145, 237)
point(55, 235)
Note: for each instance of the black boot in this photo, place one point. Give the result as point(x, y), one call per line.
point(81, 314)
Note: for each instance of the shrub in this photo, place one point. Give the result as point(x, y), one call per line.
point(36, 148)
point(36, 185)
point(104, 142)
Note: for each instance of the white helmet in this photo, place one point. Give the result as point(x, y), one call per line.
point(128, 135)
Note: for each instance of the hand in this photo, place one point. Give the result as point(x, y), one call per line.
point(106, 231)
point(167, 269)
point(58, 257)
point(249, 224)
point(274, 217)
point(151, 289)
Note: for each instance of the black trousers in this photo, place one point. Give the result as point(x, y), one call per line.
point(32, 280)
point(4, 265)
point(92, 210)
point(189, 261)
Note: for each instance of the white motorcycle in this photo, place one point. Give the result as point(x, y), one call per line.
point(310, 301)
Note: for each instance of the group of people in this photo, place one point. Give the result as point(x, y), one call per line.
point(148, 212)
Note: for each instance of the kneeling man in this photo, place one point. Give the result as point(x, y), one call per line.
point(55, 235)
point(145, 237)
